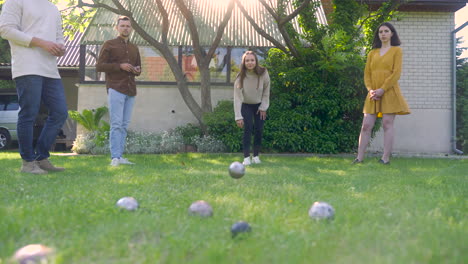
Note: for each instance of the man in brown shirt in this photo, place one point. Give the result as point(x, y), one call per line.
point(121, 62)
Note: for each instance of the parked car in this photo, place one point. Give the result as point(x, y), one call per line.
point(9, 109)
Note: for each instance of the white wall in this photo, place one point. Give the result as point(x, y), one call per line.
point(425, 83)
point(157, 108)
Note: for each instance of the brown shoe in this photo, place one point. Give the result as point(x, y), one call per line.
point(32, 167)
point(46, 165)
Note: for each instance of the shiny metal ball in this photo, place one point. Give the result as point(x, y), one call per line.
point(240, 227)
point(34, 253)
point(236, 170)
point(200, 208)
point(321, 210)
point(127, 203)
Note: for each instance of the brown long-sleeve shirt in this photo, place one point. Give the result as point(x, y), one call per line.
point(113, 53)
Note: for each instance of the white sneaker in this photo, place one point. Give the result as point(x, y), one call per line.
point(246, 161)
point(256, 160)
point(123, 160)
point(115, 162)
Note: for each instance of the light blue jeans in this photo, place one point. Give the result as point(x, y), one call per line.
point(32, 90)
point(120, 111)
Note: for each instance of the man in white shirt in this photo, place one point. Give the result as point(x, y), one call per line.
point(34, 31)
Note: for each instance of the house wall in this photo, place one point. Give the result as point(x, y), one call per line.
point(158, 108)
point(425, 83)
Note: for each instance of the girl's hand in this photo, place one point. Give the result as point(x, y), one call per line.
point(374, 95)
point(379, 92)
point(262, 114)
point(240, 123)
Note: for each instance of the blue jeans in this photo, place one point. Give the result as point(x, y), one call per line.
point(120, 111)
point(32, 89)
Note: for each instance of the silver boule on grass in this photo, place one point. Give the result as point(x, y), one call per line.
point(236, 170)
point(322, 210)
point(33, 254)
point(240, 227)
point(127, 203)
point(200, 208)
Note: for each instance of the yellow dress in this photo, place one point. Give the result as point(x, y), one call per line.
point(384, 72)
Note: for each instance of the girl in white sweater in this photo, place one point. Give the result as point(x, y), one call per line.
point(251, 101)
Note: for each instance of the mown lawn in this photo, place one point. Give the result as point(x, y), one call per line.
point(413, 211)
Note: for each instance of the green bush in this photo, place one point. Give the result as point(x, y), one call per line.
point(209, 144)
point(137, 143)
point(7, 85)
point(189, 133)
point(462, 106)
point(315, 109)
point(222, 126)
point(91, 121)
point(312, 109)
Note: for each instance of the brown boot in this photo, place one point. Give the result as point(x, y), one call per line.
point(46, 165)
point(32, 167)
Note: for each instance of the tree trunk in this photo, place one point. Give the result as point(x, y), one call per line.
point(205, 88)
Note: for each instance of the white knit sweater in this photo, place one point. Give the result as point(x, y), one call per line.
point(20, 21)
point(256, 90)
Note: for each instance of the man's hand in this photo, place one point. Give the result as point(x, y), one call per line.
point(136, 70)
point(127, 67)
point(52, 48)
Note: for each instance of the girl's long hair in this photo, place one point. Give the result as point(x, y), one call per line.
point(394, 41)
point(259, 70)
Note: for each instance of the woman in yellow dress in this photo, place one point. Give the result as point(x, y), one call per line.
point(381, 75)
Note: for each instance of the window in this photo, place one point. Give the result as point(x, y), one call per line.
point(9, 102)
point(224, 65)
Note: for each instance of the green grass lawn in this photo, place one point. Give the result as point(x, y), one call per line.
point(413, 211)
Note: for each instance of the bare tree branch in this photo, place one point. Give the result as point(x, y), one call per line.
point(165, 23)
point(259, 29)
point(220, 31)
point(99, 5)
point(197, 49)
point(294, 13)
point(270, 10)
point(122, 9)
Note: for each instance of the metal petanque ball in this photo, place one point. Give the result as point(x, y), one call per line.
point(32, 254)
point(200, 208)
point(240, 227)
point(321, 210)
point(127, 203)
point(236, 170)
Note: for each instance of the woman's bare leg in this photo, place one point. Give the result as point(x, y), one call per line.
point(364, 138)
point(389, 134)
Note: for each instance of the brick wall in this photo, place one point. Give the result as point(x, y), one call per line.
point(426, 76)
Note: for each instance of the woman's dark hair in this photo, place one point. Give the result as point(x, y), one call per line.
point(259, 70)
point(394, 41)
